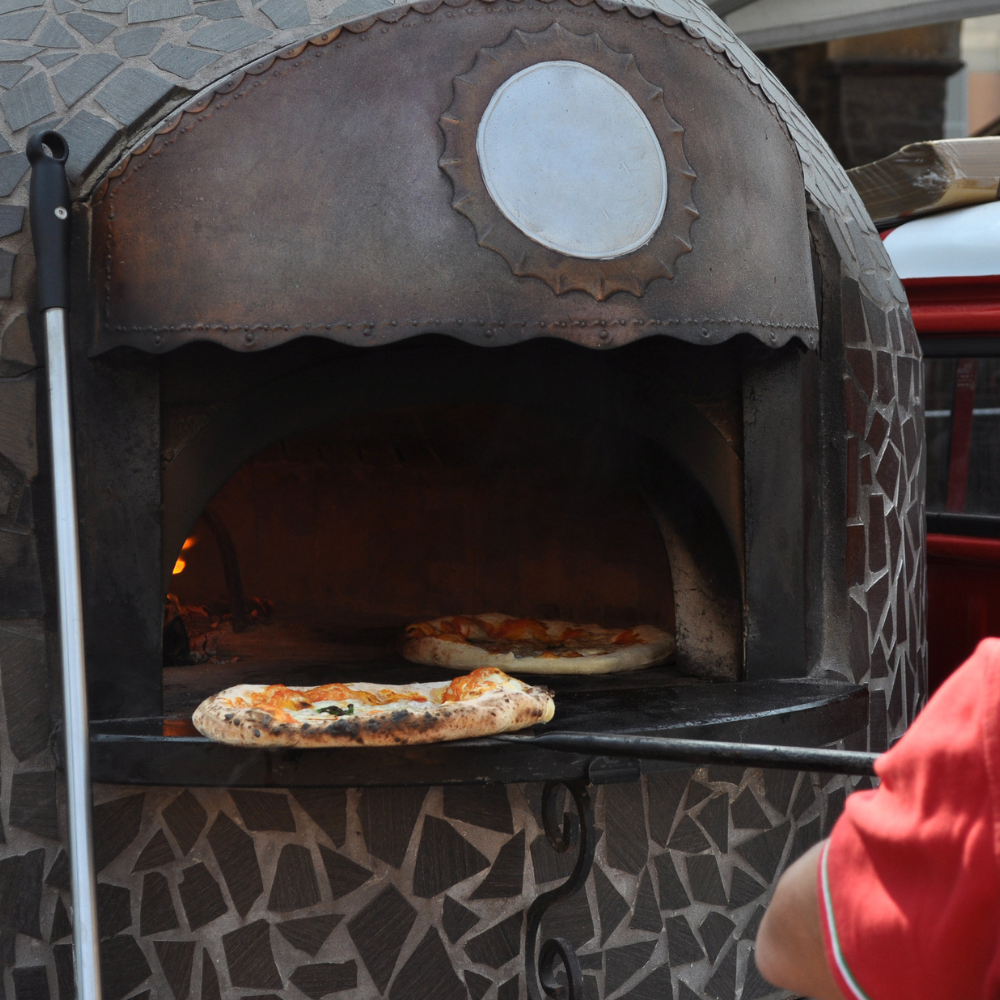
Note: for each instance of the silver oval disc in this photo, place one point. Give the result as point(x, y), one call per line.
point(571, 160)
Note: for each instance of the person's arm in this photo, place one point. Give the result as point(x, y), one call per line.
point(790, 951)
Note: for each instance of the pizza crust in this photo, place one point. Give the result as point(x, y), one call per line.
point(448, 649)
point(516, 706)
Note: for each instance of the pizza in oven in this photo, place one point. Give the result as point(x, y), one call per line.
point(533, 646)
point(482, 703)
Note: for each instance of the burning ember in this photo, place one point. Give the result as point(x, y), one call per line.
point(181, 561)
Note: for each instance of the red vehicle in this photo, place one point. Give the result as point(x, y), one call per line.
point(950, 266)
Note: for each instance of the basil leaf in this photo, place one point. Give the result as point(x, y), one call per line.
point(336, 710)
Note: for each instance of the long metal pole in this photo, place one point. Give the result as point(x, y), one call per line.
point(50, 233)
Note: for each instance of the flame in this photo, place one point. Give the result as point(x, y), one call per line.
point(189, 542)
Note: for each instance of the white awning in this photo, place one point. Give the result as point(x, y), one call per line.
point(774, 24)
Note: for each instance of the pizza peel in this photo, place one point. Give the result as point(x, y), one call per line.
point(49, 207)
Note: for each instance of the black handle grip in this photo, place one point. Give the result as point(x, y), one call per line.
point(50, 216)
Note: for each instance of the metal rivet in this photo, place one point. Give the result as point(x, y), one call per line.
point(61, 213)
point(248, 337)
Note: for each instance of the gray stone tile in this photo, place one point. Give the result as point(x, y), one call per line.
point(84, 74)
point(48, 59)
point(11, 219)
point(10, 74)
point(228, 36)
point(13, 167)
point(220, 10)
point(191, 22)
point(6, 272)
point(54, 36)
point(157, 10)
point(29, 101)
point(63, 6)
point(94, 29)
point(87, 137)
point(139, 42)
point(4, 145)
point(351, 10)
point(131, 93)
point(11, 52)
point(106, 6)
point(6, 6)
point(18, 27)
point(286, 13)
point(180, 60)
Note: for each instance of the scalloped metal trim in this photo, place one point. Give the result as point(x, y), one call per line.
point(526, 258)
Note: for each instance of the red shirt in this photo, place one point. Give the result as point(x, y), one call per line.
point(910, 880)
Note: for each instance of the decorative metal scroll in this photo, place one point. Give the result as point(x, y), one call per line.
point(542, 975)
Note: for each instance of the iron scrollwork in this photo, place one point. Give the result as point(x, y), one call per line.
point(543, 975)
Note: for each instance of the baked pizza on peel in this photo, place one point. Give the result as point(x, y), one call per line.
point(483, 703)
point(534, 646)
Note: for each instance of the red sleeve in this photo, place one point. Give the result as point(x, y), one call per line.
point(908, 883)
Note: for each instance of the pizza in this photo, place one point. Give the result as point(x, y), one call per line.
point(482, 703)
point(533, 646)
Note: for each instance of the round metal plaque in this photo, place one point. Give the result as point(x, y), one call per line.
point(570, 159)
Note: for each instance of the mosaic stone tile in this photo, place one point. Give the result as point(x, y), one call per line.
point(682, 945)
point(123, 967)
point(444, 858)
point(114, 909)
point(54, 36)
point(696, 792)
point(594, 960)
point(31, 983)
point(61, 923)
point(755, 986)
point(664, 792)
point(209, 978)
point(743, 889)
point(805, 836)
point(140, 11)
point(498, 945)
point(249, 957)
point(714, 819)
point(764, 851)
point(94, 29)
point(33, 803)
point(139, 42)
point(688, 838)
point(388, 816)
point(549, 864)
point(327, 808)
point(623, 963)
point(264, 810)
point(655, 986)
point(131, 92)
point(611, 906)
point(190, 22)
point(9, 75)
point(18, 27)
point(684, 992)
point(177, 960)
point(228, 36)
point(753, 925)
point(83, 74)
point(324, 978)
point(180, 60)
point(58, 876)
point(510, 989)
point(834, 807)
point(8, 6)
point(477, 984)
point(13, 166)
point(116, 825)
point(378, 932)
point(21, 892)
point(8, 948)
point(715, 931)
point(428, 974)
point(237, 860)
point(10, 52)
point(309, 934)
point(155, 854)
point(722, 985)
point(285, 14)
point(673, 895)
point(457, 919)
point(805, 797)
point(6, 273)
point(22, 648)
point(570, 919)
point(625, 820)
point(219, 10)
point(747, 814)
point(485, 805)
point(733, 774)
point(646, 912)
point(506, 877)
point(201, 896)
point(49, 59)
point(294, 886)
point(156, 911)
point(705, 880)
point(343, 874)
point(896, 700)
point(62, 959)
point(879, 667)
point(878, 708)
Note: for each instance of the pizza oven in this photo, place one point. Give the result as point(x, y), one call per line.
point(557, 309)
